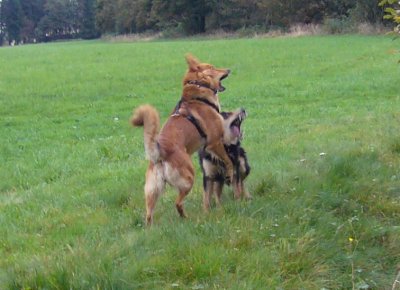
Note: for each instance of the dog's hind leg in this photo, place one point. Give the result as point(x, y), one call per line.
point(246, 193)
point(237, 188)
point(184, 188)
point(181, 177)
point(244, 172)
point(154, 187)
point(208, 187)
point(218, 186)
point(179, 202)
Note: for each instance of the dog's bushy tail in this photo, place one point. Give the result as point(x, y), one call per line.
point(147, 116)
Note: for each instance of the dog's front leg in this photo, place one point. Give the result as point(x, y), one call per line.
point(218, 149)
point(237, 188)
point(218, 186)
point(247, 194)
point(207, 191)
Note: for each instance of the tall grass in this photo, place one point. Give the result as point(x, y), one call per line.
point(322, 138)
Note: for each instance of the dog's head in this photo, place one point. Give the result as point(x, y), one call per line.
point(232, 126)
point(204, 74)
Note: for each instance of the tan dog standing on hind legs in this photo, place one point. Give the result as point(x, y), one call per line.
point(195, 123)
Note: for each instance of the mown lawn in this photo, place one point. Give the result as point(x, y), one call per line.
point(322, 137)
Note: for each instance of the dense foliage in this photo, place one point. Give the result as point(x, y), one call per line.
point(392, 12)
point(43, 20)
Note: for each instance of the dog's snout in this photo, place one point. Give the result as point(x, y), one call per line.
point(228, 71)
point(243, 111)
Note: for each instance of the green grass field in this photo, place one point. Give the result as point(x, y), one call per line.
point(72, 169)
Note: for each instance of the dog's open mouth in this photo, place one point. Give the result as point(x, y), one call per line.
point(235, 125)
point(221, 87)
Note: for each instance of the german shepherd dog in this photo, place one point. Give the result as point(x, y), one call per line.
point(194, 123)
point(214, 170)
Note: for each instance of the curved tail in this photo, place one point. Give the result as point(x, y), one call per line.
point(147, 116)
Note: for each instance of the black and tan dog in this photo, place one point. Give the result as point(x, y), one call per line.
point(195, 123)
point(214, 169)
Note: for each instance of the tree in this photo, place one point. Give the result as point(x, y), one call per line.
point(62, 20)
point(194, 15)
point(125, 16)
point(33, 11)
point(367, 11)
point(2, 25)
point(188, 15)
point(143, 15)
point(12, 17)
point(106, 16)
point(89, 29)
point(235, 14)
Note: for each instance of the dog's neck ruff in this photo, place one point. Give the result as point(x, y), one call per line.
point(200, 85)
point(199, 99)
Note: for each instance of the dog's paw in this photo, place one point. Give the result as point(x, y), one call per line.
point(229, 177)
point(249, 197)
point(228, 180)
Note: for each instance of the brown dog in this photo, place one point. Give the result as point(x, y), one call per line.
point(214, 172)
point(195, 123)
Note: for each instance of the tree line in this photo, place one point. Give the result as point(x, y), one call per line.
point(45, 20)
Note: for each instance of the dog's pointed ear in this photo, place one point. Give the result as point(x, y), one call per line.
point(192, 62)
